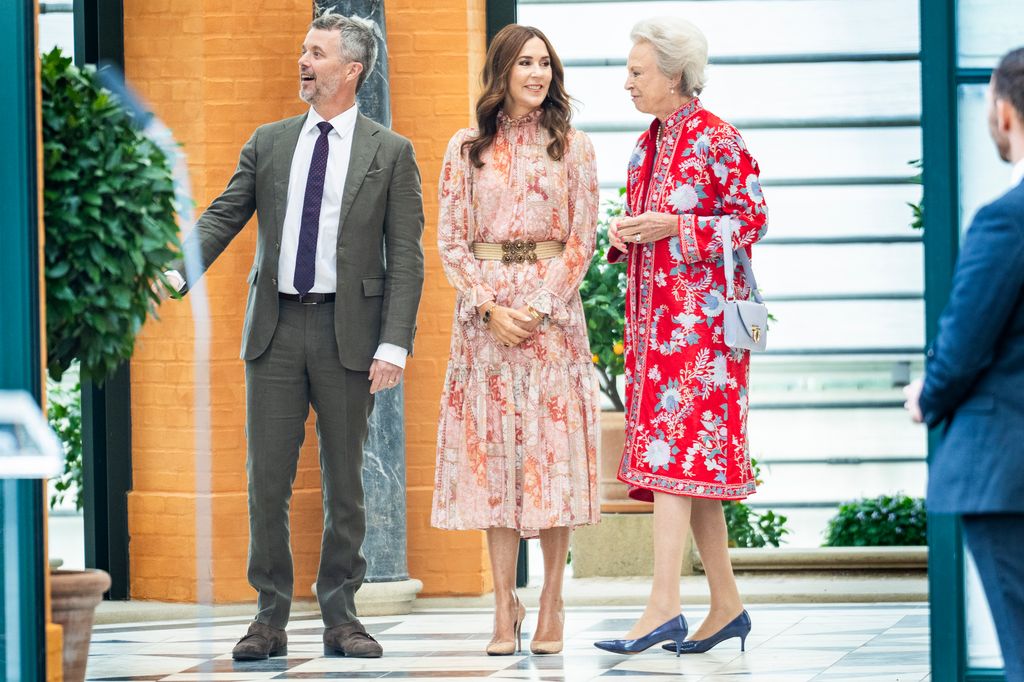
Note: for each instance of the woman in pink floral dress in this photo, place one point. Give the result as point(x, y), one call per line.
point(518, 438)
point(686, 390)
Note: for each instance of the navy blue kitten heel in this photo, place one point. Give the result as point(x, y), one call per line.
point(737, 627)
point(674, 629)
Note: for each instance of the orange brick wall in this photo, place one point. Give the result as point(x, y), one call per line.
point(214, 70)
point(436, 52)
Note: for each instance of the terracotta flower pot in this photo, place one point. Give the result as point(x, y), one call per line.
point(614, 498)
point(74, 596)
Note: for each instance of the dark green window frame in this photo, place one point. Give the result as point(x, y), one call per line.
point(940, 79)
point(22, 622)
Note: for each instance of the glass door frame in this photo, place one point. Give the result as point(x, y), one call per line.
point(940, 79)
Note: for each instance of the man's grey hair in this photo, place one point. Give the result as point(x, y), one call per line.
point(358, 38)
point(681, 48)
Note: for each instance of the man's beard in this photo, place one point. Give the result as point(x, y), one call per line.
point(322, 89)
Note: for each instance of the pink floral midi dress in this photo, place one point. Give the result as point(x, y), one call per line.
point(519, 427)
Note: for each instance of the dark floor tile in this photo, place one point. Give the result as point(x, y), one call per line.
point(226, 665)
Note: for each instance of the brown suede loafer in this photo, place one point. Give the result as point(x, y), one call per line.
point(262, 641)
point(351, 639)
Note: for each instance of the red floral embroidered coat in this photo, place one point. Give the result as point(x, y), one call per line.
point(686, 391)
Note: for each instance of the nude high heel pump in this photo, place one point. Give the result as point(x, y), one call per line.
point(515, 645)
point(551, 646)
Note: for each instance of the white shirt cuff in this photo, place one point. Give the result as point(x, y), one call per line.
point(389, 352)
point(177, 281)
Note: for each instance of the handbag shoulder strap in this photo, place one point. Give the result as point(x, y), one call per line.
point(725, 230)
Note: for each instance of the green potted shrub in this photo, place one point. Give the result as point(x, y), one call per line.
point(883, 521)
point(604, 303)
point(110, 222)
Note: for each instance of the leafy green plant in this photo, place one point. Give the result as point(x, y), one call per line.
point(748, 528)
point(604, 303)
point(110, 222)
point(64, 412)
point(879, 522)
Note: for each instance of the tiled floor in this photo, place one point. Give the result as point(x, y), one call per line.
point(789, 643)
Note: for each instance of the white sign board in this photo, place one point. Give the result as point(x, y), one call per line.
point(28, 446)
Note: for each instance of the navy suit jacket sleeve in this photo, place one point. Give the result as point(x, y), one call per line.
point(986, 290)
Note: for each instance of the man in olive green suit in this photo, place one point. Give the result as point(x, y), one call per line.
point(330, 317)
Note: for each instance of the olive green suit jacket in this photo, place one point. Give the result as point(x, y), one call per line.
point(379, 252)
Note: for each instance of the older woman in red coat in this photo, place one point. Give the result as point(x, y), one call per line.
point(686, 390)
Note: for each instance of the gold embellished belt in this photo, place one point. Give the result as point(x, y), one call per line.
point(518, 250)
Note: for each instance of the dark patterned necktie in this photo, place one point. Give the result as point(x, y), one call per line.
point(309, 228)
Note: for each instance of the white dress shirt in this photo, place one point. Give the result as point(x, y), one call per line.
point(1017, 174)
point(339, 141)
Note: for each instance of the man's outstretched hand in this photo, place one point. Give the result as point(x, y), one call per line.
point(176, 281)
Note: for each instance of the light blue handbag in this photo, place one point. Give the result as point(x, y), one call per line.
point(745, 322)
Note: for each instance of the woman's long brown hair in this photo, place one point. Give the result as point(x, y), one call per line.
point(501, 57)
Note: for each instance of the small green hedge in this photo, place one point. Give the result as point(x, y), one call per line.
point(879, 522)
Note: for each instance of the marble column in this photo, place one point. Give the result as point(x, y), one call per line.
point(388, 588)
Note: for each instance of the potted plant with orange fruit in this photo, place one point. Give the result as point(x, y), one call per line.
point(604, 299)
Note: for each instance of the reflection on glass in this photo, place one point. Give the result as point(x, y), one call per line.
point(987, 29)
point(983, 175)
point(982, 642)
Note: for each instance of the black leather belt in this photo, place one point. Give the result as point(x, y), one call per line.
point(307, 299)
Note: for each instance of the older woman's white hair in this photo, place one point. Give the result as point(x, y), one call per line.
point(681, 48)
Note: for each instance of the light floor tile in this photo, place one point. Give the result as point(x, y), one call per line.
point(789, 643)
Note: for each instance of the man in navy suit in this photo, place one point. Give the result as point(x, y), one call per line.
point(974, 382)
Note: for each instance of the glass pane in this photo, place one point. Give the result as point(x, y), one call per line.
point(982, 640)
point(743, 27)
point(829, 153)
point(839, 269)
point(798, 91)
point(740, 93)
point(833, 433)
point(848, 325)
point(847, 211)
point(983, 175)
point(57, 29)
point(839, 482)
point(987, 29)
